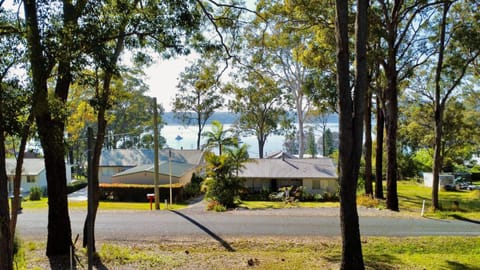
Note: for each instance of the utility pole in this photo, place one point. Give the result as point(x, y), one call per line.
point(155, 151)
point(170, 173)
point(90, 198)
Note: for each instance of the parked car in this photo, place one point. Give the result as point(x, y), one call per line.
point(473, 187)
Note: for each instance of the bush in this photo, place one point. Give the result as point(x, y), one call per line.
point(35, 193)
point(76, 185)
point(216, 206)
point(138, 193)
point(191, 190)
point(367, 201)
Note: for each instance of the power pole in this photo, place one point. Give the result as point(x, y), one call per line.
point(155, 151)
point(90, 205)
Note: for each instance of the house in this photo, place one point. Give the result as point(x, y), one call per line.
point(135, 166)
point(144, 174)
point(317, 176)
point(443, 179)
point(33, 173)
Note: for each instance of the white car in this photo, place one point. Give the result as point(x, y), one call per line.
point(473, 187)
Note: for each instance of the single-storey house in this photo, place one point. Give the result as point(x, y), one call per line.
point(135, 166)
point(144, 174)
point(33, 174)
point(317, 176)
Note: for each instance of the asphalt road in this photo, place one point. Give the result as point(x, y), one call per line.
point(151, 225)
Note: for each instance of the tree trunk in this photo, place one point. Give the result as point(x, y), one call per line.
point(6, 247)
point(379, 152)
point(391, 116)
point(50, 130)
point(18, 176)
point(438, 110)
point(368, 144)
point(350, 129)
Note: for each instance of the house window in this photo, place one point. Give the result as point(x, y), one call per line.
point(30, 179)
point(316, 184)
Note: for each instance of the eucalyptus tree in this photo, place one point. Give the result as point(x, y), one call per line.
point(260, 108)
point(60, 35)
point(198, 95)
point(291, 53)
point(351, 113)
point(403, 49)
point(458, 47)
point(15, 121)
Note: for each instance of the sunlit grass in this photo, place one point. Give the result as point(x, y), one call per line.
point(429, 252)
point(278, 205)
point(104, 205)
point(411, 196)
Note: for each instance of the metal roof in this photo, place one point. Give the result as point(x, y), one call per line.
point(178, 169)
point(137, 157)
point(289, 168)
point(31, 166)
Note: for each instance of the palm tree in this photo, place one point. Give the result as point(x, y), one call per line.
point(219, 137)
point(238, 156)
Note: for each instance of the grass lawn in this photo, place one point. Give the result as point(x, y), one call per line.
point(272, 253)
point(104, 205)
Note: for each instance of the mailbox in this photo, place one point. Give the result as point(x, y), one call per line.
point(150, 197)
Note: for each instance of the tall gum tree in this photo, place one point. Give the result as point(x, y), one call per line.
point(351, 113)
point(403, 51)
point(48, 106)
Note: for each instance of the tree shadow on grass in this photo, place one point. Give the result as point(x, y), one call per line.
point(460, 266)
point(384, 261)
point(224, 243)
point(458, 217)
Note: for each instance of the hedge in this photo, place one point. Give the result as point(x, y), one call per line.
point(138, 193)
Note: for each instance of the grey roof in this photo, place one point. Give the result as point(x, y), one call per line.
point(137, 157)
point(178, 169)
point(31, 166)
point(289, 168)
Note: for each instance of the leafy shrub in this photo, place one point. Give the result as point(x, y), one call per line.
point(138, 193)
point(35, 193)
point(76, 185)
point(191, 190)
point(216, 206)
point(367, 201)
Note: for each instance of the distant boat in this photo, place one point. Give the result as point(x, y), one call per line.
point(178, 138)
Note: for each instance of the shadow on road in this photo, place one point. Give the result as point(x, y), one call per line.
point(458, 217)
point(208, 231)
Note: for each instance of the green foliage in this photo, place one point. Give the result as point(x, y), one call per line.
point(76, 185)
point(35, 193)
point(222, 185)
point(138, 193)
point(198, 95)
point(311, 147)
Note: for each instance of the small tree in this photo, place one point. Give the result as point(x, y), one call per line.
point(222, 185)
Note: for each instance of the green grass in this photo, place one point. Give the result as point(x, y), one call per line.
point(104, 205)
point(439, 252)
point(253, 205)
point(411, 196)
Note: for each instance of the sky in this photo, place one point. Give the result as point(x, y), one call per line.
point(162, 79)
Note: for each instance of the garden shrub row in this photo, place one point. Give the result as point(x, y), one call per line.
point(138, 193)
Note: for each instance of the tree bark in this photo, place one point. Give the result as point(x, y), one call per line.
point(438, 110)
point(50, 130)
point(350, 129)
point(379, 151)
point(6, 243)
point(368, 144)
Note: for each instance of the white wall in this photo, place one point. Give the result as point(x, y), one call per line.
point(444, 179)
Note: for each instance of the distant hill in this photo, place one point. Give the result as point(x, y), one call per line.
point(230, 118)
